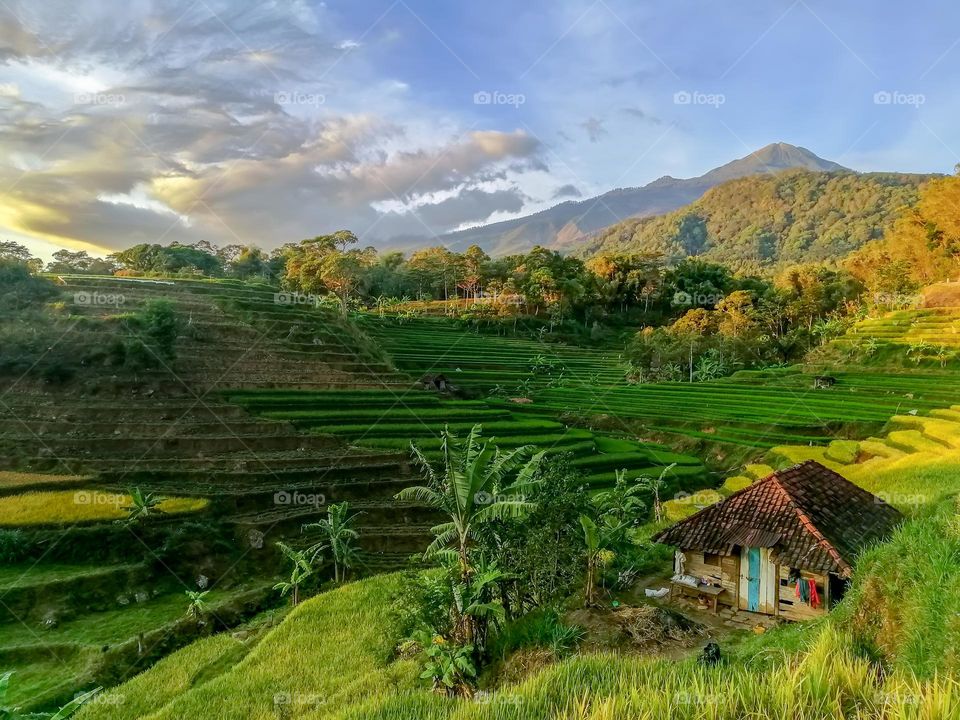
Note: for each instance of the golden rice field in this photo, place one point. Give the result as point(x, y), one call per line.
point(12, 480)
point(58, 507)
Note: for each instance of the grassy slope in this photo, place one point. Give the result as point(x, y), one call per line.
point(328, 653)
point(329, 658)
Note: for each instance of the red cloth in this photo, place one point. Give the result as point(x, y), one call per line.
point(814, 597)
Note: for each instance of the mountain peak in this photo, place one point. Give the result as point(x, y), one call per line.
point(562, 225)
point(772, 158)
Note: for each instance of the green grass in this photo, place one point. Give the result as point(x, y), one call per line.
point(13, 577)
point(331, 659)
point(382, 419)
point(174, 675)
point(105, 628)
point(484, 361)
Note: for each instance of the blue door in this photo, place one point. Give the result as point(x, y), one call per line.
point(753, 579)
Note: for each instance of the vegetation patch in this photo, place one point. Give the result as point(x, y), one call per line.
point(66, 507)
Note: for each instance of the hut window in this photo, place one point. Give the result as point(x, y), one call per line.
point(711, 559)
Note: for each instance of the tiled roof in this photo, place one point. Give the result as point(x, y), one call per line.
point(812, 517)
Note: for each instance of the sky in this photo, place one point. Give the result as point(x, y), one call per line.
point(269, 121)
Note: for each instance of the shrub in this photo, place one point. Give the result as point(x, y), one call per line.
point(14, 546)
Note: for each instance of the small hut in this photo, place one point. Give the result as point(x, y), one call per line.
point(783, 546)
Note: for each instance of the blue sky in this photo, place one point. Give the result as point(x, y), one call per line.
point(240, 121)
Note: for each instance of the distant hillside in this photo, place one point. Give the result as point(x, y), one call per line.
point(563, 225)
point(763, 220)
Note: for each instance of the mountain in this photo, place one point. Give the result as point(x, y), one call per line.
point(563, 226)
point(760, 221)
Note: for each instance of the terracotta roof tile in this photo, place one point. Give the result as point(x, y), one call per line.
point(812, 517)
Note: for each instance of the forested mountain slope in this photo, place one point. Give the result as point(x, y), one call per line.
point(564, 225)
point(763, 220)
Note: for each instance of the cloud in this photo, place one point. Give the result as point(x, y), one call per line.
point(232, 121)
point(594, 128)
point(639, 114)
point(635, 78)
point(566, 191)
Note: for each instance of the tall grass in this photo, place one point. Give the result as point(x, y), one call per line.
point(331, 659)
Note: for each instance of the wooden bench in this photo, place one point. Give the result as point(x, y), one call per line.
point(710, 592)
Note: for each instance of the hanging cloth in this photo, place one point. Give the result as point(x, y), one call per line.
point(814, 595)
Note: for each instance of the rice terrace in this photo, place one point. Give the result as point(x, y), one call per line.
point(371, 361)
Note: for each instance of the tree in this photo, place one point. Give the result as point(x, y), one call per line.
point(300, 570)
point(142, 505)
point(324, 264)
point(474, 483)
point(17, 253)
point(597, 540)
point(65, 262)
point(198, 606)
point(338, 536)
point(656, 486)
point(622, 503)
point(542, 548)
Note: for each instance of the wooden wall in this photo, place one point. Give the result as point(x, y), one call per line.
point(725, 574)
point(790, 606)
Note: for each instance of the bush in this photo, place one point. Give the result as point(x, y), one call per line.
point(14, 547)
point(160, 326)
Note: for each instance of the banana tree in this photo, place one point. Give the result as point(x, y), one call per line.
point(655, 486)
point(598, 541)
point(474, 482)
point(142, 505)
point(198, 604)
point(339, 537)
point(301, 569)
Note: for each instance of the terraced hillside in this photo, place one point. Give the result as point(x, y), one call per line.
point(238, 335)
point(390, 420)
point(915, 338)
point(85, 598)
point(760, 410)
point(485, 361)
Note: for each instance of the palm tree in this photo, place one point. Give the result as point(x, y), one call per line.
point(474, 483)
point(597, 540)
point(338, 537)
point(142, 506)
point(198, 604)
point(301, 570)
